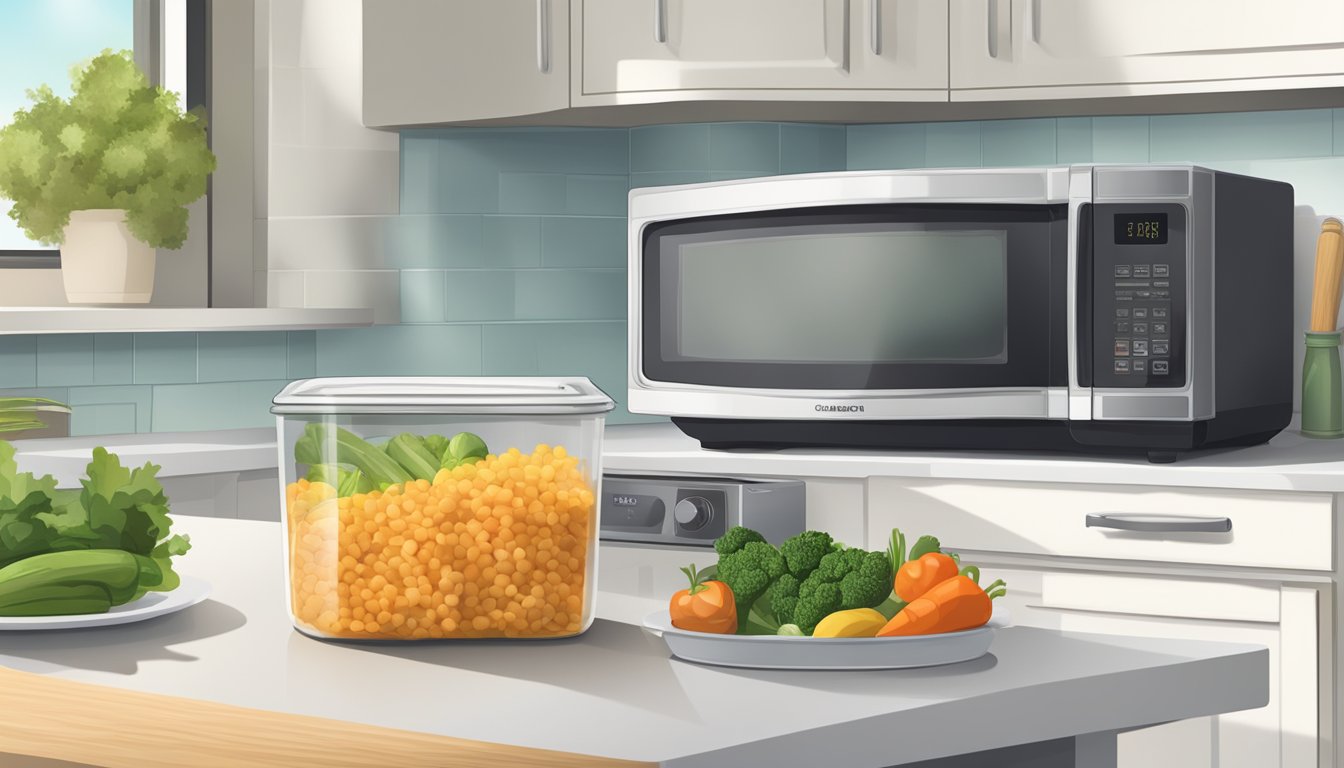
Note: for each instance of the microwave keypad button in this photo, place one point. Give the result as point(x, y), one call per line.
point(1146, 294)
point(1159, 329)
point(1122, 270)
point(1160, 368)
point(1140, 313)
point(1140, 348)
point(1161, 348)
point(1160, 294)
point(1139, 366)
point(1161, 283)
point(1124, 312)
point(1140, 329)
point(1122, 347)
point(1122, 366)
point(1161, 270)
point(1122, 327)
point(1159, 313)
point(1142, 270)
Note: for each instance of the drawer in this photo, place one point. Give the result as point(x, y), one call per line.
point(1267, 529)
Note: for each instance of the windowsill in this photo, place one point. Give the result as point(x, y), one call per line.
point(39, 320)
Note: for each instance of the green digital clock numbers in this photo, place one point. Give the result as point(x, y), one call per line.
point(1140, 228)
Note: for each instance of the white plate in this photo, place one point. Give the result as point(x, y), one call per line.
point(190, 592)
point(773, 652)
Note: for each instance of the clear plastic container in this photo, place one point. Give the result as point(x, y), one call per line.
point(424, 508)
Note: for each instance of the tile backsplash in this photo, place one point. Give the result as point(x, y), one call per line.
point(508, 256)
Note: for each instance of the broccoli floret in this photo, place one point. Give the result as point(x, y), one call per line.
point(783, 596)
point(850, 578)
point(803, 552)
point(735, 539)
point(749, 571)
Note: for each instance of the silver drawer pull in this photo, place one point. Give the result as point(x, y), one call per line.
point(660, 21)
point(993, 18)
point(544, 36)
point(1159, 523)
point(875, 26)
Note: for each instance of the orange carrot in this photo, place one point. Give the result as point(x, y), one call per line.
point(955, 604)
point(916, 577)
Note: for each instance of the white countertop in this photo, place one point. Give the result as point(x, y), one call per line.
point(1289, 462)
point(615, 691)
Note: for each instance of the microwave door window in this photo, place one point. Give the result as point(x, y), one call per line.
point(866, 296)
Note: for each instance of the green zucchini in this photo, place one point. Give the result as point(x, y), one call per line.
point(115, 571)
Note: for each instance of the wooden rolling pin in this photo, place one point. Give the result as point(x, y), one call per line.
point(1329, 268)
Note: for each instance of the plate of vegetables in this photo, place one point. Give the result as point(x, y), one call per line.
point(813, 603)
point(98, 555)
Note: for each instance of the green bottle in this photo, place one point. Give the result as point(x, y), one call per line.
point(1322, 414)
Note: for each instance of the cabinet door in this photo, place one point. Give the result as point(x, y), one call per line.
point(1079, 48)
point(428, 61)
point(1281, 618)
point(656, 50)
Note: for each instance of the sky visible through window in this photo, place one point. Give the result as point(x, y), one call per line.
point(39, 41)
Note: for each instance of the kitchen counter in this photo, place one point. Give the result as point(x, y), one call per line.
point(230, 682)
point(1289, 462)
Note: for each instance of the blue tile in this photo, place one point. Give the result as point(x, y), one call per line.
point(164, 358)
point(1018, 142)
point(468, 179)
point(531, 193)
point(1242, 136)
point(730, 175)
point(1073, 139)
point(1339, 131)
point(64, 360)
point(220, 405)
point(234, 356)
point(511, 241)
point(511, 350)
point(400, 350)
point(434, 241)
point(419, 174)
point(588, 195)
point(302, 354)
point(667, 178)
point(18, 361)
point(480, 295)
point(807, 148)
point(580, 241)
point(570, 295)
point(138, 398)
point(422, 296)
point(683, 147)
point(105, 419)
point(744, 147)
point(1120, 139)
point(595, 350)
point(953, 145)
point(542, 150)
point(873, 147)
point(113, 362)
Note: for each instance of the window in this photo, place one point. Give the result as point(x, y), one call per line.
point(39, 41)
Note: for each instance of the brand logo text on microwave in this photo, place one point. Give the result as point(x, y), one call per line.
point(823, 407)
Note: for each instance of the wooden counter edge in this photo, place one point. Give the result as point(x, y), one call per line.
point(114, 728)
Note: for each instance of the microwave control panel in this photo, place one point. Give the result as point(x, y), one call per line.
point(1138, 295)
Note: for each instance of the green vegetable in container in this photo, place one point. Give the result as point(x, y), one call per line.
point(322, 444)
point(410, 452)
point(464, 448)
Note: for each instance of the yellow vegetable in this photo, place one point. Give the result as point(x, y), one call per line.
point(856, 622)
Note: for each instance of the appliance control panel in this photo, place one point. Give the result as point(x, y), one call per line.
point(1138, 294)
point(697, 510)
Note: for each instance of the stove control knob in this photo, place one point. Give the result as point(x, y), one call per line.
point(693, 513)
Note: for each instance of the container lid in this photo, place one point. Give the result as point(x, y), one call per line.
point(443, 394)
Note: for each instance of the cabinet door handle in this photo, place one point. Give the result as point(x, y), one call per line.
point(660, 20)
point(544, 36)
point(1159, 523)
point(993, 16)
point(875, 26)
point(1036, 21)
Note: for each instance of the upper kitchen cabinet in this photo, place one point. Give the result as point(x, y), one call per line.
point(1066, 49)
point(428, 61)
point(644, 51)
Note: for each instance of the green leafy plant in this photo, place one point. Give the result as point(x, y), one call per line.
point(20, 413)
point(117, 142)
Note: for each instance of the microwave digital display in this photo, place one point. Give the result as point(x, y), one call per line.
point(1141, 229)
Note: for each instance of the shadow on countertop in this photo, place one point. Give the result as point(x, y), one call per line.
point(118, 649)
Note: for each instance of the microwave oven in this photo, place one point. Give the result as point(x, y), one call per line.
point(1143, 309)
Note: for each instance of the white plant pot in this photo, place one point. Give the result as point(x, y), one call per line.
point(102, 262)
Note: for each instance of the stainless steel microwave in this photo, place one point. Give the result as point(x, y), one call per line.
point(1143, 309)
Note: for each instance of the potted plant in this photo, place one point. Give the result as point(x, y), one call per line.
point(106, 174)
